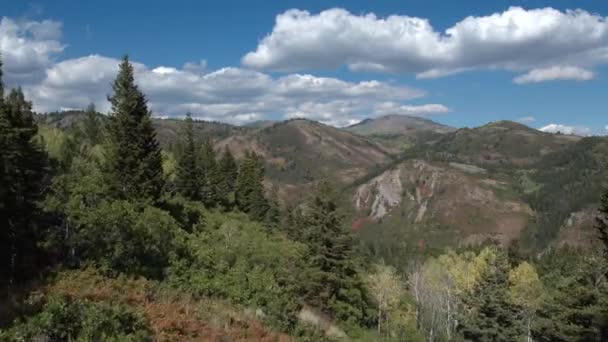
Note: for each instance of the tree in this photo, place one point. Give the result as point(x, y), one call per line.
point(334, 283)
point(91, 126)
point(23, 165)
point(488, 314)
point(134, 163)
point(229, 172)
point(526, 292)
point(210, 175)
point(273, 215)
point(188, 172)
point(249, 189)
point(602, 222)
point(387, 289)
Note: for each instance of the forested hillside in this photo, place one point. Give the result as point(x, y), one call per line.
point(127, 228)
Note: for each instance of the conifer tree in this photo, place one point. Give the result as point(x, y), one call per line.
point(228, 174)
point(134, 163)
point(22, 173)
point(273, 215)
point(602, 222)
point(210, 175)
point(188, 172)
point(335, 284)
point(249, 188)
point(488, 313)
point(91, 126)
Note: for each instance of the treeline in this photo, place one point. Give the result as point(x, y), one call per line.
point(105, 196)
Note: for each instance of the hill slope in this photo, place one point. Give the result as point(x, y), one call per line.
point(300, 151)
point(397, 124)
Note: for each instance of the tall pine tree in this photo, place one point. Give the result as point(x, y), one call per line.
point(488, 314)
point(210, 175)
point(249, 188)
point(228, 172)
point(602, 222)
point(23, 168)
point(91, 126)
point(188, 172)
point(334, 283)
point(134, 163)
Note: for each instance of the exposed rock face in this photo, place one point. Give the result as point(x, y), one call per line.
point(417, 193)
point(579, 229)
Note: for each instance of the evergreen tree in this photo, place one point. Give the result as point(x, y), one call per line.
point(210, 175)
point(188, 173)
point(134, 162)
point(23, 166)
point(488, 313)
point(602, 222)
point(273, 215)
point(228, 172)
point(249, 188)
point(334, 284)
point(91, 126)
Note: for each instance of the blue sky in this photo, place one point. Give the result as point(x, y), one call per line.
point(476, 82)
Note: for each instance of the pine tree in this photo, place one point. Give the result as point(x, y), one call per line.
point(91, 126)
point(134, 163)
point(23, 166)
point(334, 283)
point(273, 215)
point(249, 188)
point(188, 172)
point(210, 175)
point(602, 222)
point(228, 172)
point(488, 314)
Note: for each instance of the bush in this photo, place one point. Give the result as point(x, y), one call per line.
point(232, 257)
point(64, 319)
point(121, 237)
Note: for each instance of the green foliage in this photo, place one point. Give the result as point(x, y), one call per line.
point(210, 175)
point(92, 126)
point(602, 221)
point(123, 237)
point(249, 189)
point(229, 173)
point(488, 314)
point(134, 162)
point(23, 168)
point(232, 257)
point(576, 308)
point(65, 319)
point(188, 172)
point(333, 281)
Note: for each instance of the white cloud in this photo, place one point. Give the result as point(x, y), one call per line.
point(229, 94)
point(565, 129)
point(555, 73)
point(516, 40)
point(526, 119)
point(28, 48)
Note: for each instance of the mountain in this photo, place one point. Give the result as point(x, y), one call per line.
point(498, 144)
point(300, 151)
point(397, 133)
point(502, 181)
point(397, 124)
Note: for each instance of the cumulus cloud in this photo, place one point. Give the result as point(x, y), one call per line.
point(229, 94)
point(526, 119)
point(28, 48)
point(516, 39)
point(565, 129)
point(555, 73)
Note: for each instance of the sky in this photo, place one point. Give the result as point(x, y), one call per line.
point(461, 63)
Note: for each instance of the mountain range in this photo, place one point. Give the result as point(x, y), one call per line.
point(409, 180)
